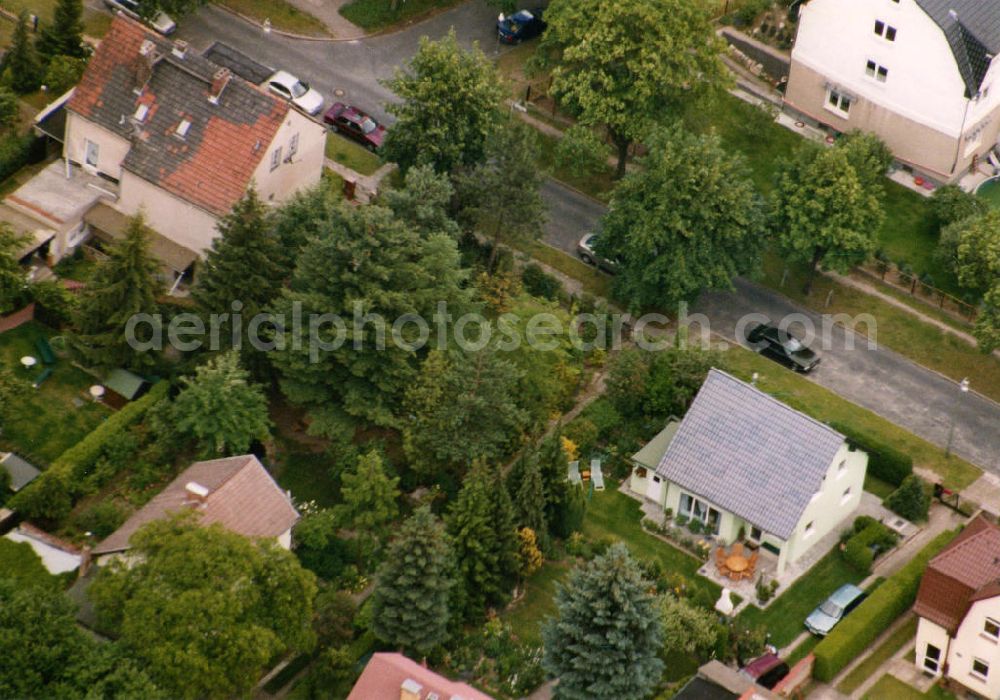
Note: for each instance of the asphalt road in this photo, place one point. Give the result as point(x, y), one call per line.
point(915, 398)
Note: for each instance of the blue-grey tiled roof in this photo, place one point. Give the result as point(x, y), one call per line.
point(972, 28)
point(750, 454)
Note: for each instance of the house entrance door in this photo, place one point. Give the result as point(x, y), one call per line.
point(654, 488)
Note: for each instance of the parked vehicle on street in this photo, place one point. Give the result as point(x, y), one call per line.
point(286, 85)
point(766, 670)
point(834, 609)
point(523, 24)
point(585, 249)
point(782, 346)
point(161, 21)
point(355, 124)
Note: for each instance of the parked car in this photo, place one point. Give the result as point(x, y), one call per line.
point(355, 124)
point(299, 93)
point(585, 249)
point(766, 670)
point(523, 24)
point(161, 21)
point(834, 609)
point(783, 346)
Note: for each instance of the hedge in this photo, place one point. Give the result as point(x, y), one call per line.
point(51, 495)
point(884, 461)
point(858, 631)
point(19, 151)
point(858, 550)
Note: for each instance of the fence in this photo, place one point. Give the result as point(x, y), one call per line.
point(801, 673)
point(911, 284)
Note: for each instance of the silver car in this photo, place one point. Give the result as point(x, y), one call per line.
point(286, 85)
point(161, 21)
point(585, 249)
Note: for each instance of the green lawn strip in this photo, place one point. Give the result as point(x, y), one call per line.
point(282, 15)
point(45, 422)
point(863, 671)
point(823, 404)
point(593, 280)
point(928, 309)
point(802, 650)
point(876, 486)
point(784, 619)
point(898, 330)
point(379, 15)
point(18, 561)
point(538, 602)
point(891, 688)
point(908, 236)
point(351, 155)
point(95, 22)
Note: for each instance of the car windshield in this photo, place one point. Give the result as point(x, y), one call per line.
point(299, 89)
point(792, 344)
point(830, 608)
point(368, 125)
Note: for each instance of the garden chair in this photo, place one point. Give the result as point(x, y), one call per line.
point(596, 474)
point(45, 351)
point(736, 575)
point(737, 550)
point(574, 473)
point(40, 379)
point(752, 562)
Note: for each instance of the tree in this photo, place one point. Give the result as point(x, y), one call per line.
point(23, 72)
point(581, 151)
point(10, 108)
point(529, 556)
point(869, 156)
point(411, 602)
point(822, 212)
point(63, 73)
point(658, 384)
point(244, 264)
point(481, 524)
point(369, 502)
point(689, 220)
point(501, 195)
point(63, 36)
point(604, 612)
point(202, 609)
point(13, 278)
point(529, 495)
point(565, 505)
point(451, 101)
point(123, 285)
point(910, 500)
point(220, 408)
point(631, 63)
point(972, 248)
point(333, 621)
point(463, 407)
point(371, 271)
point(951, 203)
point(687, 629)
point(423, 201)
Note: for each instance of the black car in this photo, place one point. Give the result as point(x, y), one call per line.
point(523, 24)
point(782, 346)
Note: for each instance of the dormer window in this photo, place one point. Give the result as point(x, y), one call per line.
point(182, 128)
point(141, 112)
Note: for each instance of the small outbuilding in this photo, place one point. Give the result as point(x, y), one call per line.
point(21, 472)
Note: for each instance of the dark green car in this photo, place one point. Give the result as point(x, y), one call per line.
point(782, 346)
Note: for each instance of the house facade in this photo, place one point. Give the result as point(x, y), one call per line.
point(958, 604)
point(921, 74)
point(749, 467)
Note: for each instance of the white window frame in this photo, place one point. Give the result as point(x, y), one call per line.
point(275, 158)
point(976, 674)
point(182, 128)
point(887, 29)
point(847, 495)
point(932, 665)
point(995, 623)
point(876, 71)
point(836, 101)
point(293, 145)
point(91, 153)
point(700, 510)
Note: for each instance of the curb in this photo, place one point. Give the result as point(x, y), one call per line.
point(287, 34)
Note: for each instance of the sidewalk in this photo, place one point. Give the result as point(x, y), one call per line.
point(328, 12)
point(367, 185)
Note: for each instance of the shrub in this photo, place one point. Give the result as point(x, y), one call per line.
point(884, 461)
point(9, 108)
point(54, 304)
point(19, 151)
point(63, 73)
point(583, 433)
point(910, 500)
point(890, 600)
point(101, 519)
point(859, 551)
point(537, 282)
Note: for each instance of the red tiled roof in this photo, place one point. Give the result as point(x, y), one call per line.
point(213, 164)
point(242, 497)
point(968, 569)
point(386, 673)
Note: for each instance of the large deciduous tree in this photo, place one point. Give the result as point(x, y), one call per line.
point(63, 36)
point(451, 103)
point(204, 609)
point(123, 285)
point(631, 63)
point(605, 612)
point(823, 213)
point(13, 278)
point(688, 220)
point(687, 629)
point(972, 247)
point(411, 605)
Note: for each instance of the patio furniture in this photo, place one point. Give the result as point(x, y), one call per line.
point(28, 361)
point(737, 549)
point(597, 474)
point(97, 392)
point(45, 351)
point(40, 379)
point(737, 564)
point(574, 473)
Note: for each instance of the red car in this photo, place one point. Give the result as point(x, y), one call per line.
point(353, 123)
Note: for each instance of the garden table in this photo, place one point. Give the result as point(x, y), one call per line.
point(737, 563)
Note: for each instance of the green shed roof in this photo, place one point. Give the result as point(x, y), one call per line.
point(651, 454)
point(124, 383)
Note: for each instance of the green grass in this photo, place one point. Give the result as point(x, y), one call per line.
point(526, 615)
point(990, 192)
point(908, 235)
point(863, 671)
point(593, 280)
point(880, 488)
point(283, 16)
point(18, 561)
point(351, 155)
point(95, 23)
point(45, 422)
point(378, 15)
point(785, 617)
point(803, 649)
point(891, 688)
point(825, 405)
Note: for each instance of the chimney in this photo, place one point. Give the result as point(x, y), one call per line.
point(86, 559)
point(196, 494)
point(219, 82)
point(144, 65)
point(180, 48)
point(410, 690)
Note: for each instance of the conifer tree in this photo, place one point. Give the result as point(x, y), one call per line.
point(23, 71)
point(123, 285)
point(529, 496)
point(605, 640)
point(370, 498)
point(12, 276)
point(564, 502)
point(410, 605)
point(63, 36)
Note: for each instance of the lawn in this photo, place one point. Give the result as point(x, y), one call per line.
point(18, 561)
point(803, 649)
point(538, 602)
point(908, 235)
point(891, 688)
point(95, 22)
point(47, 421)
point(283, 16)
point(880, 488)
point(825, 405)
point(351, 155)
point(308, 475)
point(784, 618)
point(593, 280)
point(379, 15)
point(863, 671)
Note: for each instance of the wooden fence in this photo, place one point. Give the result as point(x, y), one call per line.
point(911, 284)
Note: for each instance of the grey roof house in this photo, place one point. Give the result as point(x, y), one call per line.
point(743, 462)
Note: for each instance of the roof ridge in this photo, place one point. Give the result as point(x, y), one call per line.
point(964, 543)
point(253, 459)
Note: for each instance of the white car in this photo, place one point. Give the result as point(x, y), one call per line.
point(161, 22)
point(299, 93)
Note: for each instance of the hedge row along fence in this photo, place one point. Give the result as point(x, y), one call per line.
point(884, 461)
point(890, 600)
point(51, 496)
